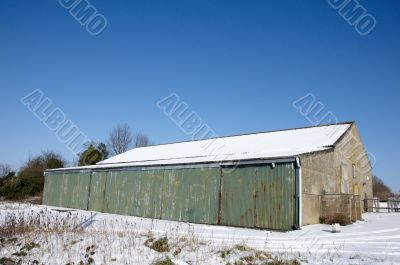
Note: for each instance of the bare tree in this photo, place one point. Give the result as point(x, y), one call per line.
point(380, 189)
point(120, 139)
point(5, 169)
point(141, 140)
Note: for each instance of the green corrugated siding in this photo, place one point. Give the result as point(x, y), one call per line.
point(67, 189)
point(191, 195)
point(97, 191)
point(137, 193)
point(259, 196)
point(238, 191)
point(251, 196)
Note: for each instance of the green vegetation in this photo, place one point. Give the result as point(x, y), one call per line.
point(224, 253)
point(30, 179)
point(28, 182)
point(91, 156)
point(159, 245)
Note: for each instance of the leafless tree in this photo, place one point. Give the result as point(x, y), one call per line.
point(141, 140)
point(4, 169)
point(380, 189)
point(120, 139)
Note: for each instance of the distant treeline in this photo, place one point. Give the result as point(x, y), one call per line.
point(29, 180)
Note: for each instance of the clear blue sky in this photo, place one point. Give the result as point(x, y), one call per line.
point(238, 64)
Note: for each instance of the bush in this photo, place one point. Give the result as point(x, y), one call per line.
point(30, 180)
point(160, 245)
point(225, 253)
point(13, 187)
point(92, 155)
point(340, 218)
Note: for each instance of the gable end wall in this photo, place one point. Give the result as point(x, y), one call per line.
point(330, 172)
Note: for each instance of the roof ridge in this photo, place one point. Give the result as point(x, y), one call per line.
point(244, 134)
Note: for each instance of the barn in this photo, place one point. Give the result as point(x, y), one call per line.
point(277, 180)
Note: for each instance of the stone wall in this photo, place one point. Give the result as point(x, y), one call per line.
point(318, 177)
point(353, 169)
point(336, 178)
point(311, 209)
point(337, 205)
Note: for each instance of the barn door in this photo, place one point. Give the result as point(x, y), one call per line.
point(261, 196)
point(276, 198)
point(238, 196)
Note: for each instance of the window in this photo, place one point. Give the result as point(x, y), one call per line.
point(354, 171)
point(344, 182)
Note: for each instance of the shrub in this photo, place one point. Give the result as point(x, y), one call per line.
point(224, 253)
point(30, 180)
point(90, 156)
point(7, 261)
point(248, 259)
point(160, 245)
point(340, 218)
point(33, 171)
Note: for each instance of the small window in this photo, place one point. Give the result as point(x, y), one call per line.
point(354, 171)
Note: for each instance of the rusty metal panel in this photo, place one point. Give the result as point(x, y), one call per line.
point(259, 196)
point(136, 192)
point(238, 196)
point(67, 189)
point(191, 195)
point(281, 180)
point(140, 192)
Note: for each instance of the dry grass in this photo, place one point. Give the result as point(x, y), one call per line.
point(51, 237)
point(159, 245)
point(19, 223)
point(163, 261)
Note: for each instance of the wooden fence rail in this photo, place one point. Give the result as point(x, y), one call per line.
point(376, 205)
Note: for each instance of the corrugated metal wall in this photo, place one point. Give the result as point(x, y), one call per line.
point(67, 189)
point(249, 196)
point(259, 196)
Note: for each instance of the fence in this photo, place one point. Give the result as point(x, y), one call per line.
point(375, 205)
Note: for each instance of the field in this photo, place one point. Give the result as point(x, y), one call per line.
point(34, 234)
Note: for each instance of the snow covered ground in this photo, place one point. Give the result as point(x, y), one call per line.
point(34, 234)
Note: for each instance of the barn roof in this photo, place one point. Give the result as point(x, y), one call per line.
point(262, 145)
point(283, 143)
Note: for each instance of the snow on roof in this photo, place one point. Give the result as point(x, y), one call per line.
point(275, 144)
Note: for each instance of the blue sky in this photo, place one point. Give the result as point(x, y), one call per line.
point(238, 64)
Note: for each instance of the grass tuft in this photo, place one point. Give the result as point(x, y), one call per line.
point(164, 261)
point(159, 245)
